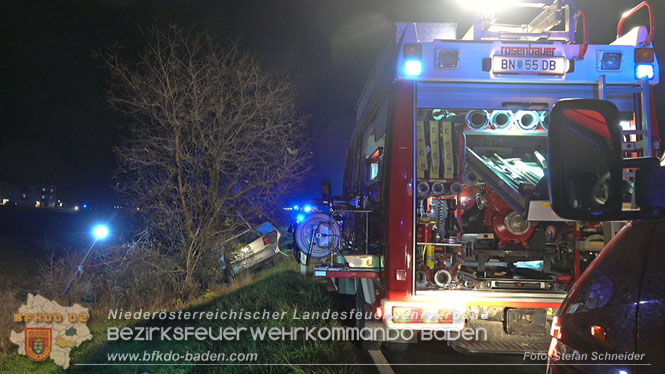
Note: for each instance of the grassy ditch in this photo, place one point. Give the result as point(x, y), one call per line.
point(280, 289)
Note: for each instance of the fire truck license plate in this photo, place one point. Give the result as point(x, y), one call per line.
point(528, 65)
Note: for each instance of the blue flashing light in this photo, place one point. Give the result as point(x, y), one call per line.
point(300, 218)
point(644, 71)
point(295, 207)
point(85, 206)
point(413, 68)
point(100, 232)
point(307, 208)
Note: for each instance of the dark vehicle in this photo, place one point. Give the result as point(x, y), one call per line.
point(612, 320)
point(249, 249)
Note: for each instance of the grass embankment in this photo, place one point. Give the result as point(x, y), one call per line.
point(280, 289)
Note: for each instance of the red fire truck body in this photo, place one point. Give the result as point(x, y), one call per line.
point(445, 221)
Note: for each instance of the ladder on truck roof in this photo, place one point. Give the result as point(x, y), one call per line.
point(556, 22)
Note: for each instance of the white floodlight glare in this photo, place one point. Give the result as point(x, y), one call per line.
point(100, 232)
point(495, 5)
point(412, 67)
point(644, 71)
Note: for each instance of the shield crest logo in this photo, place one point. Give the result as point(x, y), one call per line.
point(38, 343)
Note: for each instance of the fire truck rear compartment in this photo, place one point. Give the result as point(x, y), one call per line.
point(477, 172)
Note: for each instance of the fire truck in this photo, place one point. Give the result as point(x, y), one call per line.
point(445, 221)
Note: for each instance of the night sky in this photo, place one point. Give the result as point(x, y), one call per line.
point(56, 128)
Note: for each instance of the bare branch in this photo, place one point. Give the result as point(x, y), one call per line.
point(213, 136)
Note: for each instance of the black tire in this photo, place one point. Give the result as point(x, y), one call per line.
point(361, 306)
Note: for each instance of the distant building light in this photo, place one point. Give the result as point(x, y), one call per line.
point(38, 204)
point(5, 201)
point(76, 208)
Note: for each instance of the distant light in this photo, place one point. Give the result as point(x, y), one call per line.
point(412, 68)
point(76, 207)
point(295, 207)
point(307, 208)
point(300, 218)
point(623, 372)
point(644, 71)
point(100, 232)
point(85, 206)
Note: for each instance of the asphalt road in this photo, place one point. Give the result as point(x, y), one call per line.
point(442, 359)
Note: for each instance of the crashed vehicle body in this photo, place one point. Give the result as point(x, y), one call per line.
point(249, 249)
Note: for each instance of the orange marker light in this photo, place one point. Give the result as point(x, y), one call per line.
point(599, 332)
point(379, 312)
point(644, 55)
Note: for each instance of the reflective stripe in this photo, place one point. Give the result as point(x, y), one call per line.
point(448, 160)
point(435, 152)
point(422, 149)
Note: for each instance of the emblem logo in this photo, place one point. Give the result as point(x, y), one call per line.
point(528, 51)
point(38, 343)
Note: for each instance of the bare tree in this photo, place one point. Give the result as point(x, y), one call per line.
point(215, 140)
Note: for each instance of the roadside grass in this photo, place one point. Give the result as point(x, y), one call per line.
point(280, 289)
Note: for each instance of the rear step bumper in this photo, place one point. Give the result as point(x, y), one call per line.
point(519, 346)
point(498, 341)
